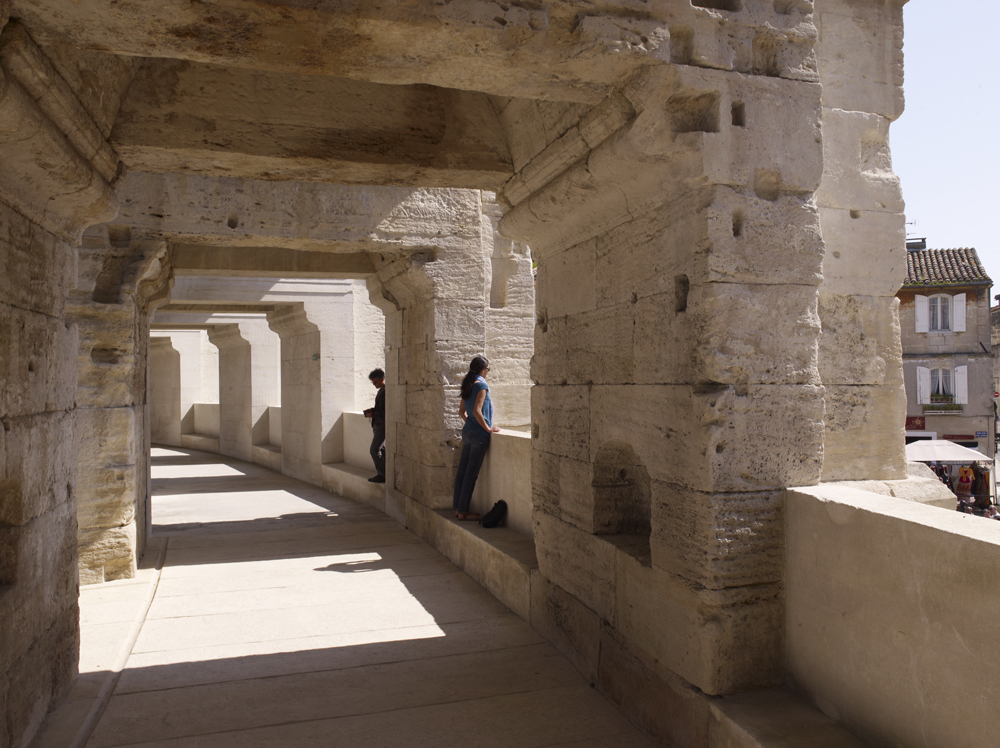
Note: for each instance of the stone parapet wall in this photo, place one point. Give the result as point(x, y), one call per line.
point(890, 605)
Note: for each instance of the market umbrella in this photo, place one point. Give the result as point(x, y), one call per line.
point(942, 450)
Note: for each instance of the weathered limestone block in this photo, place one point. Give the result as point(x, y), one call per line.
point(852, 239)
point(99, 80)
point(36, 267)
point(865, 431)
point(860, 342)
point(33, 347)
point(580, 563)
point(561, 421)
point(571, 626)
point(719, 641)
point(64, 200)
point(664, 706)
point(751, 242)
point(719, 336)
point(101, 553)
point(717, 541)
point(23, 60)
point(710, 439)
point(307, 127)
point(563, 488)
point(861, 57)
point(40, 620)
point(298, 215)
point(858, 178)
point(39, 465)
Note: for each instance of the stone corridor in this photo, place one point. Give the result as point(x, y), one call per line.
point(271, 612)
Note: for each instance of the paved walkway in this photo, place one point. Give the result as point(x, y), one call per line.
point(270, 613)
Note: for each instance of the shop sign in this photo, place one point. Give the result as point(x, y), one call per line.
point(981, 434)
point(915, 423)
point(958, 437)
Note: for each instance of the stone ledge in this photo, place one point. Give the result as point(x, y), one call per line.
point(351, 482)
point(499, 559)
point(773, 719)
point(200, 441)
point(267, 455)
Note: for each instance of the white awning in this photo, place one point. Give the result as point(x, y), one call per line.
point(942, 450)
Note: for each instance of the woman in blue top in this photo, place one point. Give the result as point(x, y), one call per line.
point(476, 411)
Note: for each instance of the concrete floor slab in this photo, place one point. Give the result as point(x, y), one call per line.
point(151, 671)
point(575, 715)
point(333, 627)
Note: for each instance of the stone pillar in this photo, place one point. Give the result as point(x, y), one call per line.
point(861, 215)
point(51, 188)
point(235, 392)
point(434, 303)
point(248, 384)
point(470, 294)
point(676, 383)
point(117, 284)
point(317, 382)
point(196, 369)
point(164, 392)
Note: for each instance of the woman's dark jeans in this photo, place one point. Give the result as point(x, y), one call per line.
point(474, 446)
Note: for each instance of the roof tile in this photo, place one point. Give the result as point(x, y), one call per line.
point(943, 267)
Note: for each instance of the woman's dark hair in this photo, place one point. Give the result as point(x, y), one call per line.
point(478, 364)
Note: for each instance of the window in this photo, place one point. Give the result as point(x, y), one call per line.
point(940, 313)
point(943, 386)
point(941, 391)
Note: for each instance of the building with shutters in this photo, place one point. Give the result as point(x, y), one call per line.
point(944, 316)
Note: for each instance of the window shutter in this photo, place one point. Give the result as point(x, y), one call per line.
point(962, 385)
point(922, 316)
point(923, 385)
point(958, 312)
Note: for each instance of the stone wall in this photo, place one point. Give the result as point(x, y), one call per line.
point(54, 182)
point(38, 495)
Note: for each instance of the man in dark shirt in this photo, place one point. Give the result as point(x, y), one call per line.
point(377, 414)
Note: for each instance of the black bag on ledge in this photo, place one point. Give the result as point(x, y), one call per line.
point(494, 516)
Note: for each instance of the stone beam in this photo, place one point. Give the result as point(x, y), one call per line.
point(235, 212)
point(200, 119)
point(243, 292)
point(560, 50)
point(269, 262)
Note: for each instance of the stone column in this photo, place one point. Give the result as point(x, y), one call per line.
point(861, 215)
point(317, 382)
point(248, 384)
point(677, 390)
point(164, 392)
point(470, 294)
point(235, 392)
point(434, 302)
point(117, 283)
point(196, 369)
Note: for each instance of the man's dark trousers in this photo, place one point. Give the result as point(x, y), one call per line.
point(377, 449)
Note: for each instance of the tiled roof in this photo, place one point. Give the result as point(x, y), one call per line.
point(944, 267)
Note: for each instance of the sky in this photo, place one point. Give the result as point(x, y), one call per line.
point(946, 145)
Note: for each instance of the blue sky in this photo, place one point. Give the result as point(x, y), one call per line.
point(946, 145)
